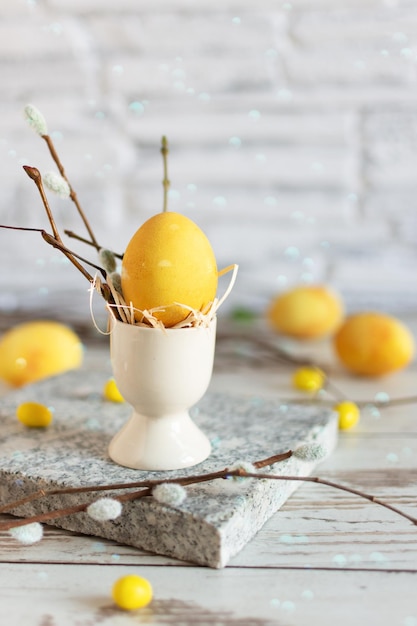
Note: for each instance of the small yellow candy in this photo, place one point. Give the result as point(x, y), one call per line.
point(349, 414)
point(111, 392)
point(132, 592)
point(309, 379)
point(34, 414)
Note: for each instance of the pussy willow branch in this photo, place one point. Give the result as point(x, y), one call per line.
point(35, 175)
point(279, 354)
point(71, 256)
point(166, 182)
point(146, 487)
point(73, 195)
point(380, 404)
point(73, 235)
point(276, 458)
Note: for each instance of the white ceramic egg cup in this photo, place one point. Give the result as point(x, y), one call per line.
point(161, 373)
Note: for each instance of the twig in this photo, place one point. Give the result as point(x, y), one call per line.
point(166, 182)
point(136, 485)
point(73, 195)
point(72, 257)
point(73, 235)
point(329, 483)
point(35, 175)
point(146, 487)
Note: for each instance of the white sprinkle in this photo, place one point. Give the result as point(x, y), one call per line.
point(36, 119)
point(104, 509)
point(27, 534)
point(170, 494)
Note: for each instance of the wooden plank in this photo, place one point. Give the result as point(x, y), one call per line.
point(67, 595)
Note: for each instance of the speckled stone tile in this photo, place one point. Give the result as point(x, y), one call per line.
point(214, 522)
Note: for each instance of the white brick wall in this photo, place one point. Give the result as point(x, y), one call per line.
point(292, 125)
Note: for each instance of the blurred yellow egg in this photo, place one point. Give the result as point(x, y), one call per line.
point(373, 344)
point(36, 350)
point(306, 312)
point(169, 262)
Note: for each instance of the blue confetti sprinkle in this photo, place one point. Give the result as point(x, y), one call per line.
point(292, 252)
point(339, 559)
point(137, 107)
point(220, 201)
point(381, 396)
point(98, 546)
point(236, 142)
point(254, 114)
point(288, 606)
point(271, 53)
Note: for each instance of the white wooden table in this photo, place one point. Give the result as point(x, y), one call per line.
point(326, 558)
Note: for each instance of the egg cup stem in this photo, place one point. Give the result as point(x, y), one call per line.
point(161, 373)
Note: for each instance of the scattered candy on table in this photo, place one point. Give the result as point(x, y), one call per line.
point(132, 592)
point(349, 414)
point(34, 414)
point(309, 379)
point(111, 391)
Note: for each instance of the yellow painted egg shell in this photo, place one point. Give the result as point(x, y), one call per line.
point(169, 260)
point(35, 350)
point(306, 312)
point(374, 344)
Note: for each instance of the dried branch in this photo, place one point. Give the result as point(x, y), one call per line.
point(73, 235)
point(144, 488)
point(35, 175)
point(135, 485)
point(73, 195)
point(166, 182)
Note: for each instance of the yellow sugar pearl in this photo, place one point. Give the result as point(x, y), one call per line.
point(308, 379)
point(34, 414)
point(132, 592)
point(349, 414)
point(111, 392)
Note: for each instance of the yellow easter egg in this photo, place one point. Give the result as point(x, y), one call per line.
point(36, 350)
point(306, 312)
point(169, 262)
point(373, 344)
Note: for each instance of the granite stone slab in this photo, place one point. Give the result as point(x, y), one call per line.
point(216, 519)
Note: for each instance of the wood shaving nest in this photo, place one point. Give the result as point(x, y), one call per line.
point(126, 312)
